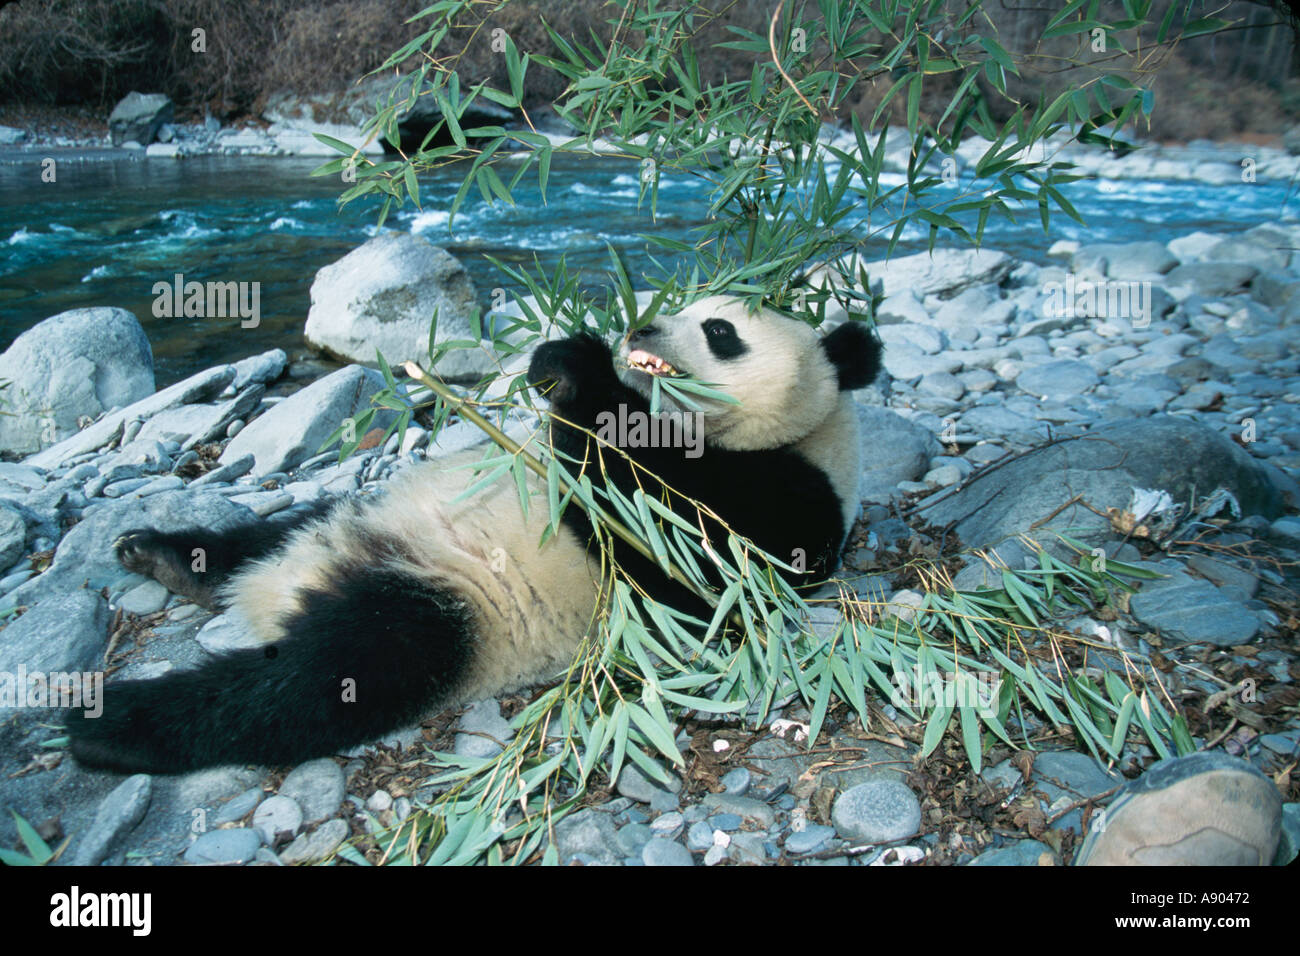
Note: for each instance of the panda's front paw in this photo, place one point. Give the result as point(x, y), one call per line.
point(575, 365)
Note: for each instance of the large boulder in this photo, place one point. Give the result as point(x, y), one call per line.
point(84, 558)
point(355, 106)
point(295, 429)
point(382, 296)
point(943, 272)
point(66, 633)
point(1125, 260)
point(1166, 452)
point(77, 363)
point(138, 116)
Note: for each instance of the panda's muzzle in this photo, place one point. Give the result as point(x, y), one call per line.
point(642, 360)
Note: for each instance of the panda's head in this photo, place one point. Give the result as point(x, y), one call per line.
point(786, 376)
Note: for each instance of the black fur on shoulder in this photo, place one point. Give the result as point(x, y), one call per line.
point(375, 652)
point(776, 498)
point(854, 350)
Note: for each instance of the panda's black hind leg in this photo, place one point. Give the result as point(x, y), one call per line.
point(374, 652)
point(194, 562)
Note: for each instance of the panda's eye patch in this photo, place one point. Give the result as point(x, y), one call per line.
point(723, 340)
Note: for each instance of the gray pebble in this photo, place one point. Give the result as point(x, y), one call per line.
point(119, 813)
point(277, 819)
point(668, 825)
point(317, 845)
point(699, 836)
point(878, 811)
point(737, 781)
point(224, 846)
point(809, 840)
point(238, 807)
point(147, 598)
point(317, 787)
point(666, 853)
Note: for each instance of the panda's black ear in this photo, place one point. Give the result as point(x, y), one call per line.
point(855, 352)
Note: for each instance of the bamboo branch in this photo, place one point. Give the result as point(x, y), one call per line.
point(621, 530)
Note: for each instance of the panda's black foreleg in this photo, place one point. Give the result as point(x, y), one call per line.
point(195, 561)
point(374, 653)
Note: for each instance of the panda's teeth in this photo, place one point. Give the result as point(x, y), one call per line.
point(649, 363)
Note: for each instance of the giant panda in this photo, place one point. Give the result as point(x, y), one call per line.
point(399, 594)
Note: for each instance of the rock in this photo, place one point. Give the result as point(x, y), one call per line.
point(635, 785)
point(668, 825)
point(317, 786)
point(294, 430)
point(73, 365)
point(907, 362)
point(994, 421)
point(894, 449)
point(483, 717)
point(1020, 853)
point(987, 573)
point(943, 272)
point(736, 782)
point(755, 812)
point(188, 425)
point(316, 846)
point(383, 295)
point(13, 535)
point(699, 837)
point(1073, 774)
point(66, 632)
point(236, 469)
point(974, 310)
point(1210, 278)
point(588, 832)
point(259, 369)
point(809, 840)
point(1128, 260)
point(138, 116)
point(1188, 610)
point(238, 806)
point(1287, 530)
point(147, 598)
point(238, 845)
point(924, 337)
point(119, 813)
point(1288, 845)
point(879, 811)
point(1223, 573)
point(1193, 246)
point(85, 555)
point(1059, 380)
point(196, 388)
point(1167, 452)
point(660, 852)
point(277, 819)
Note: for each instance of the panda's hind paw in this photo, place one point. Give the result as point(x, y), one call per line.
point(156, 555)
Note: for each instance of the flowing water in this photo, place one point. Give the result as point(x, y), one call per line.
point(107, 232)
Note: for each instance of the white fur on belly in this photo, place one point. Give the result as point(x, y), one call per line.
point(531, 614)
